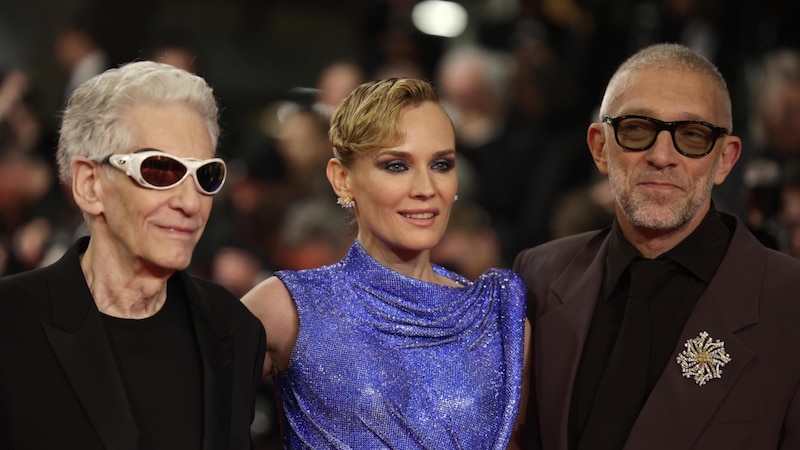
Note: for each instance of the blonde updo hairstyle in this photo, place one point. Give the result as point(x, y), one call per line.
point(369, 118)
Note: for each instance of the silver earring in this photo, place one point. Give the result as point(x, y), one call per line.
point(455, 198)
point(345, 202)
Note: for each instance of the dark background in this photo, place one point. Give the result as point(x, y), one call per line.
point(256, 52)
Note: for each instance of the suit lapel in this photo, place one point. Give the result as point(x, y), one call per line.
point(217, 352)
point(678, 410)
point(80, 343)
point(560, 336)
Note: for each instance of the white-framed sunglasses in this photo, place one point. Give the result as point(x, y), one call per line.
point(155, 169)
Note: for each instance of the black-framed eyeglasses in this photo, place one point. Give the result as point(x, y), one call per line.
point(159, 170)
point(692, 138)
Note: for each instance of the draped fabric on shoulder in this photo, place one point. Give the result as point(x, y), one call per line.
point(387, 361)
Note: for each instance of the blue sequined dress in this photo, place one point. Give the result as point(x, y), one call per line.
point(385, 361)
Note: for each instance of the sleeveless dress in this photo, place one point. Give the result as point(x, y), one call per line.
point(385, 361)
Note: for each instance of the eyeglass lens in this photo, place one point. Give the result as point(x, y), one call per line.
point(210, 176)
point(163, 171)
point(692, 138)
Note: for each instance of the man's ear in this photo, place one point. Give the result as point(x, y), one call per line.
point(339, 178)
point(731, 150)
point(596, 138)
point(87, 189)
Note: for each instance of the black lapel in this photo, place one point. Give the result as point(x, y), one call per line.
point(218, 354)
point(560, 335)
point(80, 343)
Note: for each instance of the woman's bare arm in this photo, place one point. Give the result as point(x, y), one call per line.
point(274, 307)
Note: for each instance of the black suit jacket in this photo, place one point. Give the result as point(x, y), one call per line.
point(59, 382)
point(752, 305)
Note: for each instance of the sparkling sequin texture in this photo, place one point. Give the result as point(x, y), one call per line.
point(384, 361)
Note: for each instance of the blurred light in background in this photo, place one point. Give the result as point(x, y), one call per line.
point(439, 18)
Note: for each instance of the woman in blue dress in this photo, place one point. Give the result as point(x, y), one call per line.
point(385, 349)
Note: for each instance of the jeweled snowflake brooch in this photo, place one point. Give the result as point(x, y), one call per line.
point(703, 358)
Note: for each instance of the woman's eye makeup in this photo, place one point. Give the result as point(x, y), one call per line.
point(394, 165)
point(444, 164)
point(401, 165)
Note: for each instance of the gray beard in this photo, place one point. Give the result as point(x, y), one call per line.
point(653, 213)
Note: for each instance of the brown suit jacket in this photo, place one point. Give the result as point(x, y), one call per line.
point(752, 305)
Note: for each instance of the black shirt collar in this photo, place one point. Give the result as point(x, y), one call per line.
point(700, 253)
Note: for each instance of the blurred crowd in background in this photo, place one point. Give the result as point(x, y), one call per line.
point(521, 84)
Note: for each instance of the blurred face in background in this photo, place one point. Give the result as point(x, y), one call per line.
point(782, 117)
point(336, 82)
point(789, 219)
point(303, 143)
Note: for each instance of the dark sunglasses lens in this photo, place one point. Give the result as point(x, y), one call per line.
point(162, 171)
point(211, 176)
point(635, 134)
point(694, 138)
